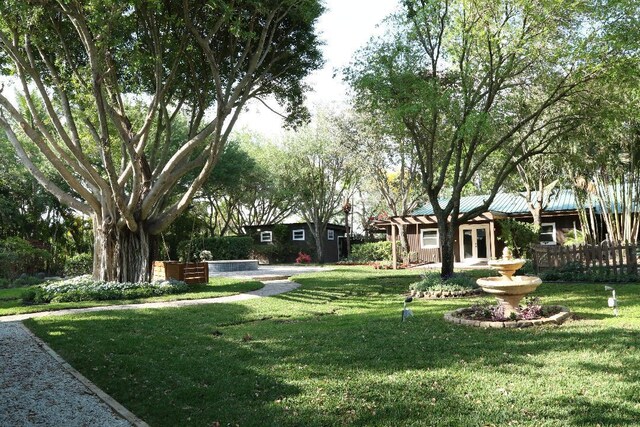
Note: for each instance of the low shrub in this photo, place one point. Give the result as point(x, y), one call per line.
point(84, 288)
point(519, 236)
point(303, 258)
point(220, 248)
point(575, 273)
point(369, 252)
point(432, 282)
point(78, 265)
point(26, 280)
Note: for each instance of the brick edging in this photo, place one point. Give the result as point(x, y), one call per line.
point(556, 319)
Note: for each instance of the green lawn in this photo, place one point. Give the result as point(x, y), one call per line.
point(11, 299)
point(334, 352)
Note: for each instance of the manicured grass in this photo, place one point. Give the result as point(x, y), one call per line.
point(334, 352)
point(11, 299)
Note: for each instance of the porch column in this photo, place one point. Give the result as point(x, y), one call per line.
point(492, 236)
point(394, 255)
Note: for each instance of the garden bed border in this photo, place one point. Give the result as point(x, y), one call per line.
point(556, 319)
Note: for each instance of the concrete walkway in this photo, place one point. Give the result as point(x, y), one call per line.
point(38, 388)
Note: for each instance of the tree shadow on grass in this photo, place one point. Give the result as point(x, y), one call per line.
point(228, 363)
point(171, 366)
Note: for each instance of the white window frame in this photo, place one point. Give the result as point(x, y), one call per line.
point(331, 235)
point(293, 234)
point(266, 236)
point(553, 233)
point(430, 230)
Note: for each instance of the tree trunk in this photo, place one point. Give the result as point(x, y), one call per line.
point(447, 256)
point(536, 213)
point(119, 254)
point(318, 238)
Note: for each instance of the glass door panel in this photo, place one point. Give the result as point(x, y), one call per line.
point(468, 243)
point(481, 242)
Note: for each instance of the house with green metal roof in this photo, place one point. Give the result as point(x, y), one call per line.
point(477, 240)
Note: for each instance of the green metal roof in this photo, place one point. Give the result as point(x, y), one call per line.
point(509, 203)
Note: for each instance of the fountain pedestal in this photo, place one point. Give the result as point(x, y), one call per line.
point(509, 289)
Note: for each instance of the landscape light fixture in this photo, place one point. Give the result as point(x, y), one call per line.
point(406, 313)
point(613, 301)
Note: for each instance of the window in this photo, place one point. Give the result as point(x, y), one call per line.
point(430, 238)
point(266, 237)
point(331, 234)
point(548, 233)
point(298, 234)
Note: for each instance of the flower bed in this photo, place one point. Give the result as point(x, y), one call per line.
point(84, 288)
point(488, 316)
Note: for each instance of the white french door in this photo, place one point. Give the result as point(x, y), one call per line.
point(475, 243)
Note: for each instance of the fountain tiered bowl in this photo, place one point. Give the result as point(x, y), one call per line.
point(509, 289)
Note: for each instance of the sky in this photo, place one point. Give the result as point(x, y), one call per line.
point(345, 26)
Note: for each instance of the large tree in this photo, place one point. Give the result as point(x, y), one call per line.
point(391, 171)
point(481, 83)
point(88, 68)
point(322, 173)
point(246, 187)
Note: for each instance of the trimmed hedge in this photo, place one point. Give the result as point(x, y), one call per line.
point(368, 252)
point(78, 265)
point(84, 288)
point(221, 248)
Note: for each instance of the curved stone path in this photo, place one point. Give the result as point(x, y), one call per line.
point(38, 388)
point(272, 287)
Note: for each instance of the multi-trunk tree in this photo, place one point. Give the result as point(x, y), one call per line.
point(481, 84)
point(106, 81)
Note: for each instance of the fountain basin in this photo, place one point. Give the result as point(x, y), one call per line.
point(517, 285)
point(509, 290)
point(507, 267)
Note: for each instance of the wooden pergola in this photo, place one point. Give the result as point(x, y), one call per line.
point(417, 220)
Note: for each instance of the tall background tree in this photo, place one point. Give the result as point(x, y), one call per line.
point(322, 172)
point(247, 187)
point(86, 67)
point(391, 171)
point(482, 84)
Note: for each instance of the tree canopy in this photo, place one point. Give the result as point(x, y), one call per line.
point(483, 84)
point(106, 81)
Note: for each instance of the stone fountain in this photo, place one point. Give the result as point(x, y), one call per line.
point(509, 289)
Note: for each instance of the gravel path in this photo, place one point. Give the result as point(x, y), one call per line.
point(38, 388)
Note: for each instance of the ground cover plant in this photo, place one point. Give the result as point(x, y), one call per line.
point(335, 352)
point(432, 281)
point(85, 288)
point(12, 301)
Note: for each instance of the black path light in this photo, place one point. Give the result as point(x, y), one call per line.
point(406, 313)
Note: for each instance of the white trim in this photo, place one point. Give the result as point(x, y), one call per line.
point(553, 231)
point(266, 236)
point(331, 234)
point(422, 232)
point(293, 234)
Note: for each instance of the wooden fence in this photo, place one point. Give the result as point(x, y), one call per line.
point(617, 258)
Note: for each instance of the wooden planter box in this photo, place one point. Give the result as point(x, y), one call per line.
point(190, 273)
